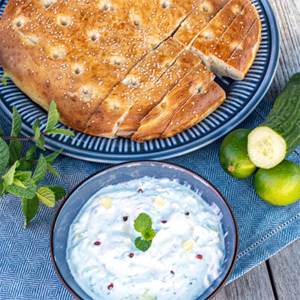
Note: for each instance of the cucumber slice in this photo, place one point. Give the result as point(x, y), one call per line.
point(279, 135)
point(266, 148)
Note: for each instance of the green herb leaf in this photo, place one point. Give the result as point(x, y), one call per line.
point(46, 196)
point(9, 176)
point(61, 131)
point(40, 170)
point(15, 150)
point(53, 117)
point(143, 221)
point(36, 125)
point(37, 133)
point(50, 158)
point(5, 74)
point(30, 155)
point(23, 176)
point(16, 124)
point(148, 234)
point(4, 156)
point(1, 131)
point(19, 183)
point(30, 208)
point(28, 191)
point(58, 191)
point(51, 169)
point(3, 80)
point(142, 244)
point(40, 142)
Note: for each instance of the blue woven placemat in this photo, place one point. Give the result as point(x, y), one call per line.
point(26, 270)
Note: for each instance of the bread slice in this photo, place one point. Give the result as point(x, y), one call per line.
point(209, 36)
point(157, 120)
point(153, 96)
point(197, 20)
point(105, 122)
point(231, 40)
point(196, 109)
point(242, 58)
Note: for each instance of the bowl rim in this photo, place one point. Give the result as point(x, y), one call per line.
point(143, 161)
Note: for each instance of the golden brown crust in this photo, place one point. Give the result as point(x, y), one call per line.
point(243, 57)
point(157, 120)
point(233, 36)
point(196, 109)
point(105, 122)
point(198, 19)
point(153, 96)
point(87, 56)
point(210, 35)
point(44, 47)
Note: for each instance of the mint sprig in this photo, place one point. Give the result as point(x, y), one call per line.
point(16, 174)
point(143, 224)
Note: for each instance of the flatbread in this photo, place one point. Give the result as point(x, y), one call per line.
point(102, 62)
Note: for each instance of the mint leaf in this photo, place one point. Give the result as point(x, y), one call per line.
point(1, 131)
point(15, 150)
point(50, 158)
point(3, 80)
point(51, 169)
point(19, 183)
point(23, 176)
point(36, 125)
point(61, 131)
point(9, 176)
point(58, 191)
point(53, 117)
point(143, 221)
point(16, 124)
point(46, 196)
point(40, 142)
point(40, 170)
point(148, 234)
point(30, 208)
point(4, 156)
point(30, 155)
point(142, 244)
point(37, 133)
point(28, 192)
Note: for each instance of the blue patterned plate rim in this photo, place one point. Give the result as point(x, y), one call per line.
point(141, 162)
point(154, 152)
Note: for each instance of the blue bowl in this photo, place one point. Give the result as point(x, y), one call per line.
point(75, 200)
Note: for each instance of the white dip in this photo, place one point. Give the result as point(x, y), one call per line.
point(185, 256)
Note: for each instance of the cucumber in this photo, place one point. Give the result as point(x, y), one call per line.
point(279, 135)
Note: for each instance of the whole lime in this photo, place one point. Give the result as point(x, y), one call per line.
point(279, 185)
point(233, 154)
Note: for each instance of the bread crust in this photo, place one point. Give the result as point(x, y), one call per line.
point(198, 20)
point(209, 36)
point(243, 57)
point(102, 61)
point(105, 122)
point(154, 95)
point(198, 107)
point(157, 120)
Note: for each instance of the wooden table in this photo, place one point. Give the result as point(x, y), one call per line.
point(278, 277)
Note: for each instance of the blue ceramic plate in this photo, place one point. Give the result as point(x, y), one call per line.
point(135, 170)
point(242, 98)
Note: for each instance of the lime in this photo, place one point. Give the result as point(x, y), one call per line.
point(233, 154)
point(279, 185)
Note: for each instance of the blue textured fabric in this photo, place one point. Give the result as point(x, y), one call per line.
point(26, 270)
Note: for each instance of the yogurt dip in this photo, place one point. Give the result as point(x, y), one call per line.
point(185, 257)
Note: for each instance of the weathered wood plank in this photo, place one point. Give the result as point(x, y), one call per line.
point(288, 16)
point(285, 267)
point(253, 285)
